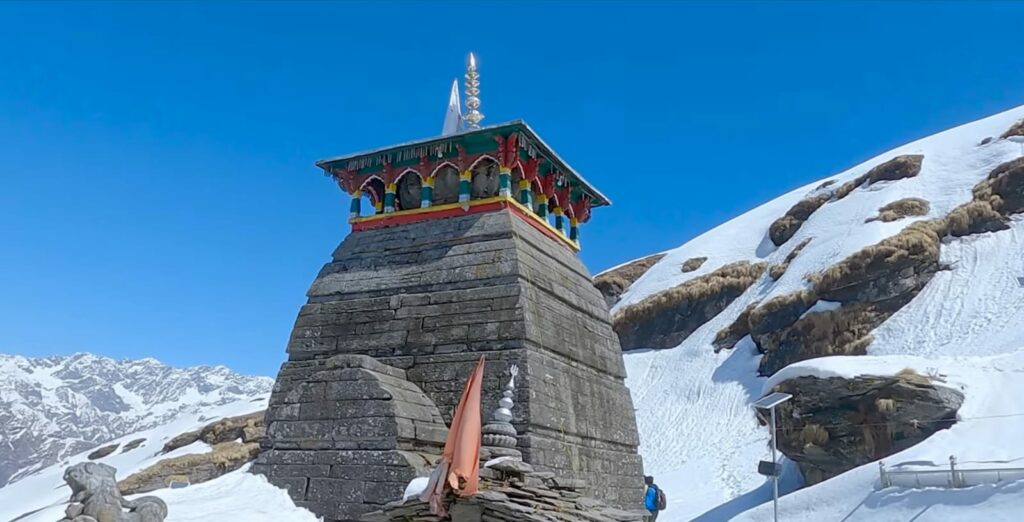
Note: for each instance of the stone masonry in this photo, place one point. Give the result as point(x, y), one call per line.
point(427, 299)
point(349, 435)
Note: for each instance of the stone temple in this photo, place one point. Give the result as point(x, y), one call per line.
point(464, 253)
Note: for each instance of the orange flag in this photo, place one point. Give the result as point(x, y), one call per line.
point(459, 468)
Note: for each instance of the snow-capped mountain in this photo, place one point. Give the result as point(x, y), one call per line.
point(237, 495)
point(912, 260)
point(54, 407)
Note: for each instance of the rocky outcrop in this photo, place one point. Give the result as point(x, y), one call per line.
point(99, 453)
point(234, 441)
point(614, 282)
point(900, 167)
point(777, 271)
point(727, 337)
point(863, 290)
point(874, 283)
point(511, 491)
point(833, 425)
point(693, 264)
point(782, 229)
point(194, 468)
point(245, 428)
point(95, 498)
point(666, 318)
point(787, 226)
point(901, 208)
point(1016, 130)
point(133, 444)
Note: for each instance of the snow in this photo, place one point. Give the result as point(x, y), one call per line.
point(234, 496)
point(699, 437)
point(416, 487)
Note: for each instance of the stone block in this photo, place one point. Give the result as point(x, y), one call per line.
point(335, 490)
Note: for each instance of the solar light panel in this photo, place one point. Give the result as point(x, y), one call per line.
point(770, 401)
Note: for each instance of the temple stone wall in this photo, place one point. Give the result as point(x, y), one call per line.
point(429, 298)
point(346, 435)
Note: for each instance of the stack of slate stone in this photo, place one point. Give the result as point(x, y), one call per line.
point(511, 491)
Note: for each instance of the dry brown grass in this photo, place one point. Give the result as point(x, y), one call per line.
point(973, 217)
point(615, 281)
point(1004, 188)
point(248, 428)
point(693, 263)
point(727, 337)
point(814, 434)
point(844, 331)
point(885, 405)
point(900, 167)
point(995, 198)
point(786, 226)
point(918, 244)
point(736, 276)
point(1016, 130)
point(782, 310)
point(846, 188)
point(200, 467)
point(911, 376)
point(902, 208)
point(777, 271)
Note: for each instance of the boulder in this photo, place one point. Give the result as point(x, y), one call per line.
point(95, 498)
point(834, 424)
point(244, 428)
point(99, 453)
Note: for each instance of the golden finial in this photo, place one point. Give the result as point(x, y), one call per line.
point(474, 116)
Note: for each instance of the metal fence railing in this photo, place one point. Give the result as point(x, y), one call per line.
point(952, 477)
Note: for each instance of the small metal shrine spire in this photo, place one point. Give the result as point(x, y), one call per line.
point(474, 116)
point(499, 435)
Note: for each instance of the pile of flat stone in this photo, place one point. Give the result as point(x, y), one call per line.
point(511, 491)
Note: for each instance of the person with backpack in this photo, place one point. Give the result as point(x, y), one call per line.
point(654, 499)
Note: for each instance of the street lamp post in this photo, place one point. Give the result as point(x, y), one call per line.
point(769, 403)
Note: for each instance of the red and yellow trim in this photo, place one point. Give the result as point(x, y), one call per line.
point(478, 206)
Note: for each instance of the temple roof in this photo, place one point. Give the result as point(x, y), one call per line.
point(473, 141)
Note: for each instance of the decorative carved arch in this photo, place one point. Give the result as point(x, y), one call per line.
point(442, 165)
point(482, 158)
point(407, 195)
point(446, 183)
point(373, 187)
point(485, 182)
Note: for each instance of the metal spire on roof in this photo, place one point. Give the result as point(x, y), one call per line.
point(453, 117)
point(474, 116)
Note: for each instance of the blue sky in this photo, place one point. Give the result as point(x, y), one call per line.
point(157, 189)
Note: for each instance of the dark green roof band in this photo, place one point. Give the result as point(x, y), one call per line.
point(474, 141)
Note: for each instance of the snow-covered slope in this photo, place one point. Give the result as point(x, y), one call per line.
point(54, 407)
point(42, 496)
point(698, 434)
